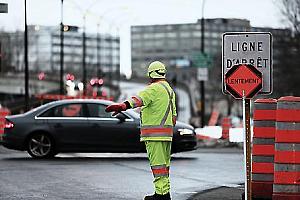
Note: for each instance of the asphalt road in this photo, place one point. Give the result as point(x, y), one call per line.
point(114, 176)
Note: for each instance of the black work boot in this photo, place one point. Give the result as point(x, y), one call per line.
point(158, 197)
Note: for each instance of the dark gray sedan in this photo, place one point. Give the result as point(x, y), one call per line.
point(79, 125)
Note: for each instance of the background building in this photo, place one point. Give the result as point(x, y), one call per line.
point(44, 51)
point(174, 42)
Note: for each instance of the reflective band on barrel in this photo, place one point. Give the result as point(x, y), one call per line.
point(287, 147)
point(264, 132)
point(288, 115)
point(264, 115)
point(265, 159)
point(292, 178)
point(160, 170)
point(264, 106)
point(264, 123)
point(287, 167)
point(292, 136)
point(288, 105)
point(289, 157)
point(262, 177)
point(287, 126)
point(262, 168)
point(264, 150)
point(286, 188)
point(263, 141)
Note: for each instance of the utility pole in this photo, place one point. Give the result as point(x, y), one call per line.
point(1, 55)
point(202, 86)
point(83, 57)
point(61, 51)
point(98, 52)
point(26, 60)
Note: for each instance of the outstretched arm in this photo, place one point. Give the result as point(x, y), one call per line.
point(132, 102)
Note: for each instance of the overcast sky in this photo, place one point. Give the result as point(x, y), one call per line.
point(122, 13)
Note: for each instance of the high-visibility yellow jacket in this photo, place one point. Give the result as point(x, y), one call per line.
point(158, 109)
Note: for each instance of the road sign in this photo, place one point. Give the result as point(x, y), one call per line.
point(202, 74)
point(243, 80)
point(201, 60)
point(3, 8)
point(253, 48)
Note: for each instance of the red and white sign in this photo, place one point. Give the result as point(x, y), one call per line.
point(243, 80)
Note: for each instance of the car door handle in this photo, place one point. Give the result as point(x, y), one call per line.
point(58, 125)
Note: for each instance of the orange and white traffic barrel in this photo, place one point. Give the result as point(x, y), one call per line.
point(287, 149)
point(264, 127)
point(226, 125)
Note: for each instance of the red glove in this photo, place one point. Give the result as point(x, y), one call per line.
point(116, 107)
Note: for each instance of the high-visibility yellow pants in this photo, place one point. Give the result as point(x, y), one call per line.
point(159, 154)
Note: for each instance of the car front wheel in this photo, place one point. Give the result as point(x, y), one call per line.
point(40, 146)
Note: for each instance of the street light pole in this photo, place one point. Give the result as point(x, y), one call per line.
point(26, 59)
point(202, 86)
point(61, 51)
point(98, 51)
point(83, 56)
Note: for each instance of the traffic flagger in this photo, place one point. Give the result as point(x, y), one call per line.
point(158, 116)
point(264, 117)
point(287, 149)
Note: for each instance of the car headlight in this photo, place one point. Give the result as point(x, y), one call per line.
point(185, 131)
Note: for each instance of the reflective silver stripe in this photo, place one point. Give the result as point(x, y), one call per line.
point(170, 106)
point(286, 188)
point(159, 175)
point(262, 177)
point(155, 126)
point(73, 118)
point(288, 126)
point(287, 167)
point(264, 123)
point(263, 159)
point(140, 99)
point(287, 147)
point(158, 166)
point(263, 141)
point(265, 106)
point(288, 105)
point(156, 135)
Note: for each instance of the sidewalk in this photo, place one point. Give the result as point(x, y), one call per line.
point(221, 193)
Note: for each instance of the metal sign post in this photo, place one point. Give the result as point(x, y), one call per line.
point(247, 147)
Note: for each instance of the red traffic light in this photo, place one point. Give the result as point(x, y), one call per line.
point(70, 77)
point(41, 76)
point(96, 81)
point(100, 81)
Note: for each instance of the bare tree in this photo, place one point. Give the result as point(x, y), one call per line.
point(286, 70)
point(291, 11)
